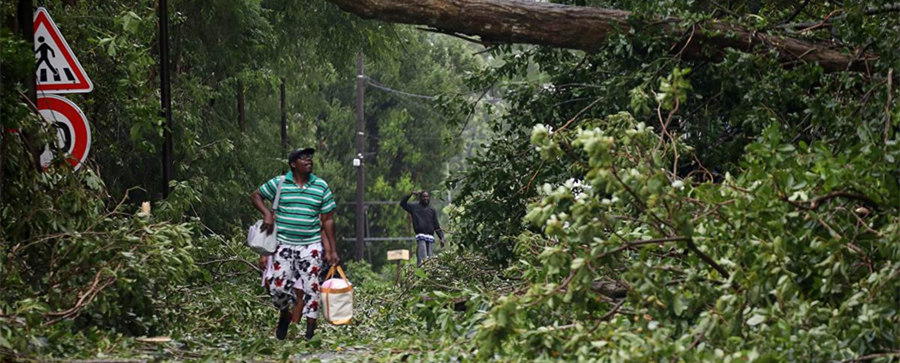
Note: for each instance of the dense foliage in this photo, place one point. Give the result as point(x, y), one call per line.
point(630, 205)
point(732, 101)
point(749, 208)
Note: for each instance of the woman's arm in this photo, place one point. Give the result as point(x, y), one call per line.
point(268, 217)
point(329, 242)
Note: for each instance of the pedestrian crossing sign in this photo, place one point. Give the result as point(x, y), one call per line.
point(58, 71)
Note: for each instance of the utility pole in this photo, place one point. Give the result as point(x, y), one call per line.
point(240, 105)
point(25, 15)
point(168, 157)
point(358, 162)
point(283, 119)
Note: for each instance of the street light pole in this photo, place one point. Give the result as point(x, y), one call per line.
point(358, 162)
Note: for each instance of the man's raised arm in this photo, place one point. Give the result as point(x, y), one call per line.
point(404, 203)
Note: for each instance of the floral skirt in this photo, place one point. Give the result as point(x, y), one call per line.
point(299, 268)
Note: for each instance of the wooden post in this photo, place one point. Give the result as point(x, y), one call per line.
point(398, 256)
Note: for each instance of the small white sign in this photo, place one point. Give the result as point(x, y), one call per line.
point(398, 255)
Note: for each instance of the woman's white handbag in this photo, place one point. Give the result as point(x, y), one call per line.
point(260, 242)
point(337, 297)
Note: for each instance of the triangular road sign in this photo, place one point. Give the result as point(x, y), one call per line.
point(58, 71)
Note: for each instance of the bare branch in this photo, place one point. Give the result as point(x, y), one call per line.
point(817, 201)
point(707, 259)
point(869, 357)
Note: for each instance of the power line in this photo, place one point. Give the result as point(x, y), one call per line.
point(382, 87)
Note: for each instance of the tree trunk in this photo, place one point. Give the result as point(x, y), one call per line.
point(586, 28)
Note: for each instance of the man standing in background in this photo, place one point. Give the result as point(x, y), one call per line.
point(425, 224)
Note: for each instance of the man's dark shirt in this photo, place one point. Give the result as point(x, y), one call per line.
point(425, 219)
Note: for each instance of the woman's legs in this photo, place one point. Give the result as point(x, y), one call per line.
point(297, 312)
point(309, 268)
point(294, 286)
point(281, 286)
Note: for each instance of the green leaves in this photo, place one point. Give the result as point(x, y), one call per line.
point(674, 88)
point(756, 320)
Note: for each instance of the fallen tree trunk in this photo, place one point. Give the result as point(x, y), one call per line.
point(586, 28)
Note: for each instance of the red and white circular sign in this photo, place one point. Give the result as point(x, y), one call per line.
point(72, 130)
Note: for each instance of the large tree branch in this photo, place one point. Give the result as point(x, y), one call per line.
point(586, 28)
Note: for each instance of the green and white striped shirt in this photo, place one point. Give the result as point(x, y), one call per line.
point(297, 217)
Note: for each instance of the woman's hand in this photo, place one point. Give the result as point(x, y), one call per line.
point(332, 258)
point(263, 261)
point(268, 224)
